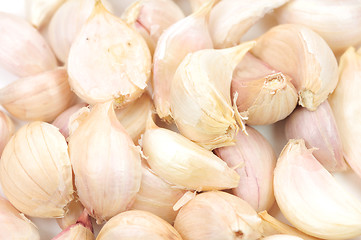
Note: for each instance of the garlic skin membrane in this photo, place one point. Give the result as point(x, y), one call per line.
point(35, 171)
point(282, 237)
point(75, 209)
point(40, 11)
point(7, 129)
point(196, 4)
point(304, 56)
point(311, 199)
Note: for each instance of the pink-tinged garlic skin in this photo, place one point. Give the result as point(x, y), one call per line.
point(75, 209)
point(7, 129)
point(256, 161)
point(319, 130)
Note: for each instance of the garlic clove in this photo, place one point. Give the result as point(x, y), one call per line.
point(40, 97)
point(197, 4)
point(107, 48)
point(35, 171)
point(218, 215)
point(200, 96)
point(107, 166)
point(282, 237)
point(265, 96)
point(39, 12)
point(310, 198)
point(303, 55)
point(7, 129)
point(75, 209)
point(187, 35)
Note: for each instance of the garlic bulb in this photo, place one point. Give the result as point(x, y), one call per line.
point(137, 225)
point(15, 225)
point(310, 198)
point(106, 166)
point(151, 17)
point(23, 51)
point(40, 97)
point(319, 130)
point(258, 159)
point(35, 171)
point(218, 215)
point(265, 96)
point(7, 129)
point(230, 20)
point(75, 209)
point(302, 54)
point(40, 11)
point(282, 237)
point(187, 35)
point(200, 96)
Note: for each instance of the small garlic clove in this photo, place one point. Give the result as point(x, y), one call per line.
point(35, 171)
point(75, 209)
point(108, 60)
point(200, 96)
point(311, 199)
point(230, 20)
point(23, 51)
point(197, 4)
point(7, 129)
point(40, 97)
point(39, 12)
point(187, 35)
point(218, 215)
point(282, 237)
point(303, 55)
point(257, 160)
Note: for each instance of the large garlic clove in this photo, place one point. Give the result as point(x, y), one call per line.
point(258, 161)
point(265, 96)
point(75, 209)
point(282, 237)
point(108, 60)
point(40, 97)
point(7, 129)
point(302, 54)
point(230, 20)
point(23, 51)
point(200, 96)
point(39, 12)
point(319, 130)
point(310, 198)
point(218, 215)
point(107, 166)
point(187, 35)
point(35, 171)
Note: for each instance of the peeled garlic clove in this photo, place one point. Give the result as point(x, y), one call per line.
point(302, 54)
point(256, 161)
point(265, 96)
point(218, 215)
point(7, 129)
point(282, 237)
point(75, 209)
point(40, 11)
point(200, 96)
point(40, 97)
point(35, 171)
point(310, 198)
point(106, 166)
point(230, 20)
point(319, 130)
point(137, 225)
point(187, 35)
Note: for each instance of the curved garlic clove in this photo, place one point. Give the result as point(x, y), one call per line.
point(187, 35)
point(106, 166)
point(265, 96)
point(107, 48)
point(137, 225)
point(39, 12)
point(200, 96)
point(40, 97)
point(35, 171)
point(75, 209)
point(282, 237)
point(302, 54)
point(7, 129)
point(258, 161)
point(218, 215)
point(319, 130)
point(230, 20)
point(311, 199)
point(23, 52)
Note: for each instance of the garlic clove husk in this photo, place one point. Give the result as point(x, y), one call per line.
point(230, 20)
point(186, 36)
point(282, 237)
point(40, 97)
point(258, 159)
point(319, 130)
point(304, 56)
point(311, 199)
point(218, 215)
point(35, 171)
point(200, 96)
point(108, 60)
point(107, 166)
point(7, 129)
point(197, 4)
point(137, 225)
point(39, 12)
point(75, 209)
point(265, 95)
point(23, 51)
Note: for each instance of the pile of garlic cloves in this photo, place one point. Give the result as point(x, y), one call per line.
point(145, 119)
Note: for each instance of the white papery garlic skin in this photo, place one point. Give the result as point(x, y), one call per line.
point(282, 237)
point(7, 129)
point(40, 11)
point(196, 4)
